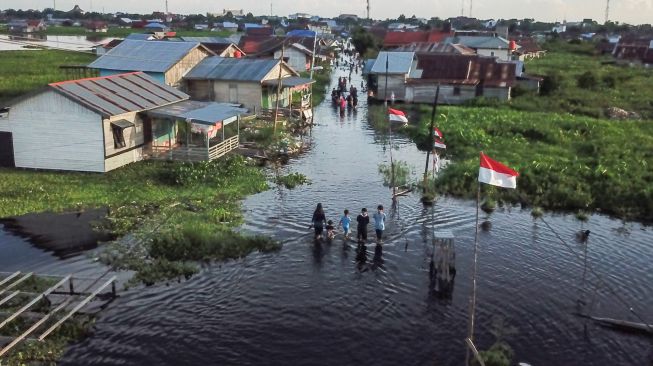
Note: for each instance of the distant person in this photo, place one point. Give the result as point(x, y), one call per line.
point(345, 221)
point(331, 230)
point(379, 223)
point(318, 220)
point(363, 220)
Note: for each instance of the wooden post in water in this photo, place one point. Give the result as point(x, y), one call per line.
point(472, 300)
point(428, 153)
point(276, 109)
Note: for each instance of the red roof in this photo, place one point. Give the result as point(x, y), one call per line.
point(34, 23)
point(393, 39)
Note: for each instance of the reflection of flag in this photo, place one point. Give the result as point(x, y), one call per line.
point(438, 143)
point(396, 115)
point(437, 132)
point(436, 163)
point(494, 173)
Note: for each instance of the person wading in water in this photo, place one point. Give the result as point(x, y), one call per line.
point(318, 221)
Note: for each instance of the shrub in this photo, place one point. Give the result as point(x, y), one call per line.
point(587, 80)
point(550, 83)
point(609, 81)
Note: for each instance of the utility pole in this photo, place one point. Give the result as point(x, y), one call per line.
point(607, 11)
point(471, 7)
point(368, 9)
point(166, 9)
point(54, 6)
point(276, 108)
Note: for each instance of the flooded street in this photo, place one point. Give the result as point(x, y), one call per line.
point(322, 304)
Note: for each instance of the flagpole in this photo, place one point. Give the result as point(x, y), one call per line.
point(392, 163)
point(428, 153)
point(472, 300)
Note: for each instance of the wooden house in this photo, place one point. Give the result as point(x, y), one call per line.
point(390, 73)
point(250, 82)
point(165, 61)
point(26, 26)
point(297, 56)
point(100, 124)
point(460, 77)
point(97, 26)
point(220, 46)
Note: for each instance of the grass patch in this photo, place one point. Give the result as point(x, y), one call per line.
point(588, 84)
point(566, 162)
point(23, 71)
point(292, 180)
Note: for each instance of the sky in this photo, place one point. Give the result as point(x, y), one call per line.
point(628, 11)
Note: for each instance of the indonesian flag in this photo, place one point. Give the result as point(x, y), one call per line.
point(397, 116)
point(438, 143)
point(494, 173)
point(437, 133)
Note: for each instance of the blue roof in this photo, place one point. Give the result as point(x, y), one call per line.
point(368, 66)
point(238, 69)
point(155, 25)
point(398, 62)
point(139, 36)
point(301, 33)
point(150, 56)
point(198, 112)
point(253, 25)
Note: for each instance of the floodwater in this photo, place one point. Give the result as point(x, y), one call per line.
point(327, 304)
point(74, 43)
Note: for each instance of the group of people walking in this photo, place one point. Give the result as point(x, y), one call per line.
point(319, 223)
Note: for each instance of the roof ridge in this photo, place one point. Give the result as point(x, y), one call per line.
point(93, 78)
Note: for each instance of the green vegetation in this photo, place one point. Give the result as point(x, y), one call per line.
point(23, 71)
point(322, 80)
point(158, 203)
point(566, 162)
point(292, 180)
point(365, 42)
point(402, 174)
point(579, 82)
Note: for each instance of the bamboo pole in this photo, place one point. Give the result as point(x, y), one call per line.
point(428, 153)
point(472, 347)
point(14, 284)
point(276, 109)
point(34, 301)
point(472, 300)
point(9, 278)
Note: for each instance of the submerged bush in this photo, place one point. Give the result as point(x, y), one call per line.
point(292, 180)
point(402, 174)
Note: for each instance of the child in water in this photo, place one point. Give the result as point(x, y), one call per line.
point(379, 223)
point(345, 220)
point(331, 230)
point(363, 220)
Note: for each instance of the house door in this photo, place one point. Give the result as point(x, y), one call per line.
point(7, 150)
point(233, 93)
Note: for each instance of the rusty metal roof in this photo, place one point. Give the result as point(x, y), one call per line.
point(118, 94)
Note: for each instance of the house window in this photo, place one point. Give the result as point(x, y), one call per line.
point(492, 53)
point(118, 131)
point(456, 90)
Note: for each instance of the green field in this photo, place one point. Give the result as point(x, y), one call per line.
point(24, 71)
point(569, 155)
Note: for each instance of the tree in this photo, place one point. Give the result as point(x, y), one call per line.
point(363, 41)
point(550, 83)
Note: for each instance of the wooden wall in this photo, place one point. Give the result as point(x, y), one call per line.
point(134, 138)
point(246, 93)
point(51, 131)
point(174, 75)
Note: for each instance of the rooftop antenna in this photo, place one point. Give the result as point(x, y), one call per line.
point(270, 8)
point(607, 11)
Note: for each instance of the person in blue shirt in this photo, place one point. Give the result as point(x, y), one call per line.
point(345, 221)
point(379, 223)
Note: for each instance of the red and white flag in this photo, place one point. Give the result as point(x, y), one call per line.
point(437, 133)
point(396, 115)
point(438, 143)
point(494, 173)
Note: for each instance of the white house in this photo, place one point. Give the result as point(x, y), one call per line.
point(90, 125)
point(297, 56)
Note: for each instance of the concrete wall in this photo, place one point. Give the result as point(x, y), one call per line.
point(396, 84)
point(499, 93)
point(503, 55)
point(248, 94)
point(51, 131)
point(425, 93)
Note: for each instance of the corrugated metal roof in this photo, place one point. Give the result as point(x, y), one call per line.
point(480, 41)
point(218, 40)
point(117, 94)
point(398, 62)
point(239, 69)
point(139, 36)
point(289, 82)
point(368, 66)
point(151, 56)
point(198, 112)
